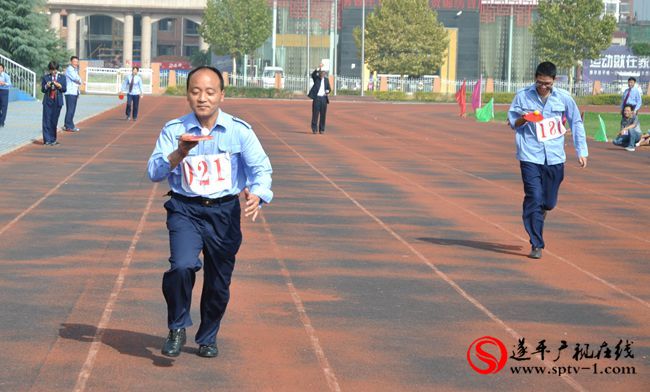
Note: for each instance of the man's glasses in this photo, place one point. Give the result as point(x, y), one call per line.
point(544, 84)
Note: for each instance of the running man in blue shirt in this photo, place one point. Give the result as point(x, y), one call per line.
point(5, 85)
point(540, 147)
point(132, 87)
point(203, 213)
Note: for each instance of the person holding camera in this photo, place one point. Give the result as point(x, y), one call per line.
point(53, 86)
point(319, 94)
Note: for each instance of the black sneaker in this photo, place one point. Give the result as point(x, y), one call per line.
point(174, 343)
point(208, 351)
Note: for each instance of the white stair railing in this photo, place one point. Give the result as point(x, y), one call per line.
point(21, 77)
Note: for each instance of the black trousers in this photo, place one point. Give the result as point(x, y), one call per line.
point(4, 104)
point(132, 100)
point(318, 108)
point(215, 231)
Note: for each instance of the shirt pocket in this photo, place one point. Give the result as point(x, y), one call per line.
point(235, 159)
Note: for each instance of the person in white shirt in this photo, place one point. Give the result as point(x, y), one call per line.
point(73, 82)
point(132, 87)
point(5, 85)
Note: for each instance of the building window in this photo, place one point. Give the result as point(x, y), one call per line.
point(64, 21)
point(191, 28)
point(166, 50)
point(189, 50)
point(166, 25)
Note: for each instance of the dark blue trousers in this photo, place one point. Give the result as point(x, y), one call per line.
point(318, 114)
point(132, 100)
point(215, 231)
point(4, 104)
point(70, 108)
point(51, 112)
point(541, 187)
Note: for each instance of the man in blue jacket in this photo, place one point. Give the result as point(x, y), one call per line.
point(540, 147)
point(53, 86)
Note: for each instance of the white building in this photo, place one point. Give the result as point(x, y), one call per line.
point(71, 19)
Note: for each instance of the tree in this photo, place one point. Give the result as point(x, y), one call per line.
point(404, 37)
point(25, 36)
point(569, 31)
point(236, 27)
point(200, 58)
point(641, 48)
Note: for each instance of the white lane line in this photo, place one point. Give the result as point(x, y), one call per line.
point(568, 379)
point(332, 383)
point(461, 207)
point(89, 363)
point(62, 182)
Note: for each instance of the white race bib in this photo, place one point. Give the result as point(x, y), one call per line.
point(205, 175)
point(549, 128)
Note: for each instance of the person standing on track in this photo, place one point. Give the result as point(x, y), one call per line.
point(73, 83)
point(5, 85)
point(319, 93)
point(132, 87)
point(203, 213)
point(540, 147)
point(53, 86)
point(631, 96)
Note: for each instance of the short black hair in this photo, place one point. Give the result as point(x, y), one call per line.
point(52, 65)
point(195, 70)
point(546, 68)
point(631, 78)
point(74, 57)
point(629, 106)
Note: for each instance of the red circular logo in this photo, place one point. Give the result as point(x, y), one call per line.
point(476, 351)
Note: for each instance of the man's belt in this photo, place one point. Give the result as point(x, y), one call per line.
point(205, 201)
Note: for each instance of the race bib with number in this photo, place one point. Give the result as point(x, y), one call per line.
point(549, 128)
point(205, 175)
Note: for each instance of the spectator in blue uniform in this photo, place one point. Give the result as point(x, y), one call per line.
point(540, 147)
point(52, 86)
point(5, 85)
point(631, 96)
point(203, 213)
point(73, 83)
point(132, 87)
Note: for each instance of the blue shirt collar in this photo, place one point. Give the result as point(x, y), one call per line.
point(191, 122)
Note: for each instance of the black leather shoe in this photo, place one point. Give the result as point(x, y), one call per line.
point(536, 253)
point(208, 351)
point(174, 343)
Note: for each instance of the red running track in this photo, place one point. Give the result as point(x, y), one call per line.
point(394, 241)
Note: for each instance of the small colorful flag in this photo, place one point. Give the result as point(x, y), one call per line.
point(461, 97)
point(601, 136)
point(476, 95)
point(486, 113)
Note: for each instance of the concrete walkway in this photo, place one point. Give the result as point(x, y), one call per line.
point(24, 119)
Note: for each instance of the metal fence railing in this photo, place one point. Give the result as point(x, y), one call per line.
point(22, 78)
point(109, 80)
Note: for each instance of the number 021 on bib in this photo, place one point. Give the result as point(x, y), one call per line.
point(549, 128)
point(207, 174)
